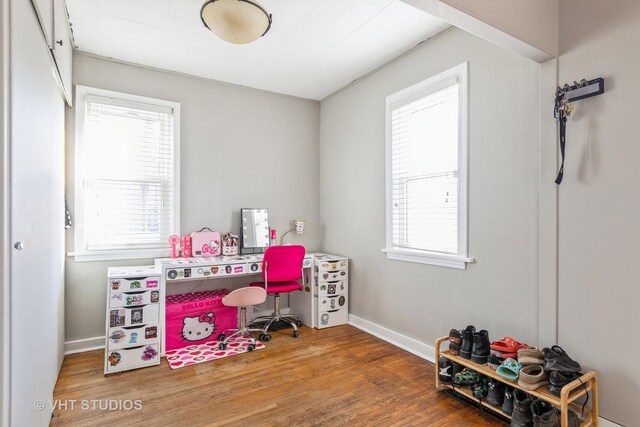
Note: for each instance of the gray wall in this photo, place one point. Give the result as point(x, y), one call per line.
point(599, 203)
point(499, 292)
point(239, 148)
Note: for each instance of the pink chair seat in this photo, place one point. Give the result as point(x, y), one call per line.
point(245, 297)
point(279, 287)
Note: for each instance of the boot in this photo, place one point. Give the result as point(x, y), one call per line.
point(467, 342)
point(481, 347)
point(444, 367)
point(522, 416)
point(496, 392)
point(507, 404)
point(545, 414)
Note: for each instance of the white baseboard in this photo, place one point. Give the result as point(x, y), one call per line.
point(411, 345)
point(86, 344)
point(602, 422)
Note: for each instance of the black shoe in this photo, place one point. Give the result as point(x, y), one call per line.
point(557, 380)
point(545, 414)
point(444, 367)
point(494, 361)
point(467, 342)
point(457, 368)
point(481, 347)
point(481, 388)
point(556, 359)
point(507, 404)
point(496, 392)
point(521, 416)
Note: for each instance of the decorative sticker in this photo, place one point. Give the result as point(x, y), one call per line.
point(134, 300)
point(152, 283)
point(227, 269)
point(135, 285)
point(325, 276)
point(149, 353)
point(332, 289)
point(238, 269)
point(133, 339)
point(155, 296)
point(116, 297)
point(136, 315)
point(115, 285)
point(117, 336)
point(114, 358)
point(333, 303)
point(116, 317)
point(342, 300)
point(215, 269)
point(324, 319)
point(151, 332)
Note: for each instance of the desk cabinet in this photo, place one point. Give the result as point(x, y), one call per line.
point(133, 329)
point(331, 290)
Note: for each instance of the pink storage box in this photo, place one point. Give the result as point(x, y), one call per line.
point(197, 318)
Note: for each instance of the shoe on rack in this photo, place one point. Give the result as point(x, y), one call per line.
point(545, 414)
point(481, 388)
point(530, 356)
point(522, 415)
point(532, 376)
point(507, 347)
point(556, 359)
point(455, 339)
point(507, 403)
point(510, 369)
point(467, 342)
point(457, 368)
point(557, 380)
point(481, 347)
point(467, 377)
point(445, 368)
point(493, 361)
point(495, 395)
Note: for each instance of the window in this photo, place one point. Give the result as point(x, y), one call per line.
point(126, 185)
point(427, 171)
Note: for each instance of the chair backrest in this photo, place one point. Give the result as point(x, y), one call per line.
point(282, 263)
point(245, 297)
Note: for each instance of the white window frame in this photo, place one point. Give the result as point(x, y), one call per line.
point(78, 226)
point(460, 260)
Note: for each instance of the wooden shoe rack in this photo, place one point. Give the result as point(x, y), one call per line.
point(570, 393)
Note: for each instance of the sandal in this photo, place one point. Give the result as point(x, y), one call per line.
point(467, 377)
point(510, 369)
point(507, 345)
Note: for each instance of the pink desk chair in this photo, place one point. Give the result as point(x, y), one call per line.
point(281, 269)
point(242, 298)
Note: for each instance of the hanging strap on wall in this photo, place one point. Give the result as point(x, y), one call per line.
point(563, 137)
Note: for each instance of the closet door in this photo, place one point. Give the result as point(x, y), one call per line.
point(37, 220)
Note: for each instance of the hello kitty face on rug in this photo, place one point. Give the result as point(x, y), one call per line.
point(199, 327)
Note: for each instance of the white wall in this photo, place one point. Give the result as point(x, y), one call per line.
point(239, 148)
point(499, 292)
point(599, 204)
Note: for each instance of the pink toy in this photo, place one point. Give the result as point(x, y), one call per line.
point(186, 247)
point(174, 241)
point(273, 237)
point(197, 318)
point(206, 243)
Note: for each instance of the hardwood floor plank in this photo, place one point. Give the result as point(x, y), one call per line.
point(336, 376)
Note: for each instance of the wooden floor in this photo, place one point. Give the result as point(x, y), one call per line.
point(331, 377)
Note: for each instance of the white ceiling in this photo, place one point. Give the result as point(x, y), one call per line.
point(314, 47)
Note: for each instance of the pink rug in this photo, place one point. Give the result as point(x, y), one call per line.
point(194, 354)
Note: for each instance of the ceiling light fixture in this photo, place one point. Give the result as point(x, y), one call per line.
point(236, 21)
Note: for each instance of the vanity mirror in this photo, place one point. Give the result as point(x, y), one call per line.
point(254, 233)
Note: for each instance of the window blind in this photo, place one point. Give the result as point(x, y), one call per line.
point(128, 174)
point(424, 169)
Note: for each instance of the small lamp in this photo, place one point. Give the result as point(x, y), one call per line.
point(298, 227)
point(236, 21)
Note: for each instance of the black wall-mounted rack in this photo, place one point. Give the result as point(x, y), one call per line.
point(584, 89)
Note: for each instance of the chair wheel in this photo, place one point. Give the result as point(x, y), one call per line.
point(251, 347)
point(265, 337)
point(221, 337)
point(295, 334)
point(222, 346)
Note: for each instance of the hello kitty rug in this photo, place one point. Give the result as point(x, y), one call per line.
point(194, 354)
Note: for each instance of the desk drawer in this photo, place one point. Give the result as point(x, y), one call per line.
point(329, 318)
point(336, 302)
point(133, 316)
point(130, 358)
point(332, 265)
point(132, 336)
point(332, 276)
point(134, 284)
point(121, 299)
point(338, 287)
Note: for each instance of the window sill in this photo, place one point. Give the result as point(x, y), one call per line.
point(116, 255)
point(430, 258)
